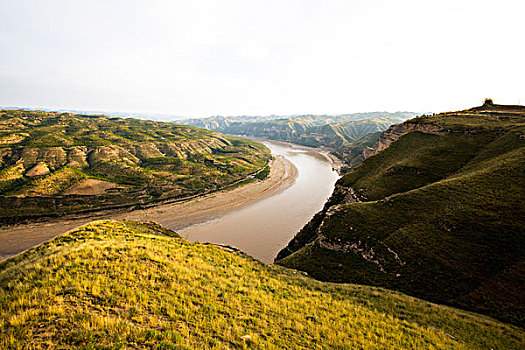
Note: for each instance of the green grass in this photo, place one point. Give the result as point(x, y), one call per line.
point(441, 218)
point(263, 174)
point(131, 285)
point(150, 160)
point(55, 183)
point(496, 119)
point(418, 159)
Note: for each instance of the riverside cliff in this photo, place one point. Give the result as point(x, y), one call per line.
point(436, 211)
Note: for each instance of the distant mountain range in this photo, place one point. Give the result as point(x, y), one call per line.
point(342, 134)
point(150, 116)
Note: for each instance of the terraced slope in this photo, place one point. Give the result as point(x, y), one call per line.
point(438, 212)
point(54, 163)
point(133, 285)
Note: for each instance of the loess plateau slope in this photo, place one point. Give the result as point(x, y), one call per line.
point(133, 285)
point(436, 211)
point(59, 163)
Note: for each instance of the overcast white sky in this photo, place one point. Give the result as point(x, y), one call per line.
point(202, 58)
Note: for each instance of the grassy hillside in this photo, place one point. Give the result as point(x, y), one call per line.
point(133, 285)
point(439, 213)
point(52, 163)
point(336, 132)
point(354, 152)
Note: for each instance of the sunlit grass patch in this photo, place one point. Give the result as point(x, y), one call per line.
point(112, 284)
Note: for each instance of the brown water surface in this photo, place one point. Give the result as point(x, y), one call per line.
point(264, 228)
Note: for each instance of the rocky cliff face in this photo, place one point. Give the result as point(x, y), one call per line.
point(395, 132)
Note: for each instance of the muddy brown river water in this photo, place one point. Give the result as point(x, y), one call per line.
point(259, 218)
point(265, 227)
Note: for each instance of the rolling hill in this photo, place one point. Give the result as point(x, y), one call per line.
point(55, 163)
point(436, 211)
point(132, 285)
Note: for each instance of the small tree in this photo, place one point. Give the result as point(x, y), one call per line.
point(488, 102)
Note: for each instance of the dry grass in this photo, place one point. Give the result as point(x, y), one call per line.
point(128, 285)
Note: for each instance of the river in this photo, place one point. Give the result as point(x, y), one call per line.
point(265, 227)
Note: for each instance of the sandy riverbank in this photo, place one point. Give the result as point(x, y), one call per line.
point(16, 239)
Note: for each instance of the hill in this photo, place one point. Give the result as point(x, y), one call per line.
point(437, 212)
point(335, 132)
point(55, 163)
point(354, 152)
point(136, 285)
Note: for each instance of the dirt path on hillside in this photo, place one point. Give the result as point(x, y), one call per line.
point(16, 239)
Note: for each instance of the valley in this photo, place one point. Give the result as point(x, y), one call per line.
point(347, 136)
point(178, 215)
point(262, 229)
point(434, 211)
point(259, 217)
point(252, 175)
